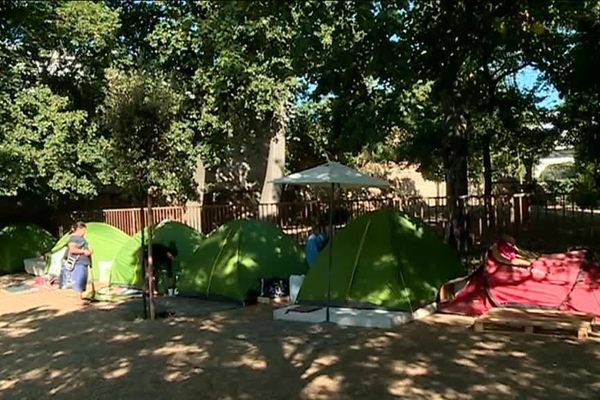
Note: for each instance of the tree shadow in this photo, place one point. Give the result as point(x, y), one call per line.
point(102, 353)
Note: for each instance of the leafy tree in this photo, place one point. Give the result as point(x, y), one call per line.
point(575, 73)
point(586, 190)
point(349, 54)
point(138, 19)
point(233, 62)
point(64, 45)
point(151, 146)
point(53, 56)
point(418, 138)
point(559, 178)
point(47, 149)
point(431, 82)
point(468, 50)
point(307, 143)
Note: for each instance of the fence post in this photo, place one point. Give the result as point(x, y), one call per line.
point(525, 205)
point(133, 224)
point(516, 209)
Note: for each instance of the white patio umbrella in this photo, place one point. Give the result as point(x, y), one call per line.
point(331, 175)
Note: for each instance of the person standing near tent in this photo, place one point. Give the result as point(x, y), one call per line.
point(317, 240)
point(163, 258)
point(79, 259)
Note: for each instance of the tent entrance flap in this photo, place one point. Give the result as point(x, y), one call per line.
point(216, 262)
point(359, 251)
point(405, 289)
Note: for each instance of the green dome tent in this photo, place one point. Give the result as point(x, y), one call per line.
point(382, 259)
point(127, 269)
point(105, 240)
point(19, 242)
point(230, 262)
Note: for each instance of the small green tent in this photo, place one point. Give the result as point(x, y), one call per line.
point(230, 262)
point(127, 269)
point(382, 259)
point(19, 242)
point(105, 240)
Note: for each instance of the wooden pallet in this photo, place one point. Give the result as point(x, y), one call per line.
point(536, 321)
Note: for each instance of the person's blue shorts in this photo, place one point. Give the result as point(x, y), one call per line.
point(79, 277)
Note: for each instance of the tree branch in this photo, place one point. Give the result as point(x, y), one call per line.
point(511, 71)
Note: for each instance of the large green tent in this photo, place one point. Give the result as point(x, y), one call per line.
point(230, 262)
point(382, 259)
point(19, 242)
point(127, 267)
point(105, 240)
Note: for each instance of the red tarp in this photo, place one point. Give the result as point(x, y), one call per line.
point(564, 281)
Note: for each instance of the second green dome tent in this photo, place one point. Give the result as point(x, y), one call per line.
point(228, 264)
point(127, 269)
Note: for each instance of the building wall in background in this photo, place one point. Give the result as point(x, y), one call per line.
point(406, 180)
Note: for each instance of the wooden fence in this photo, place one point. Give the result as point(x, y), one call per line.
point(296, 218)
point(551, 223)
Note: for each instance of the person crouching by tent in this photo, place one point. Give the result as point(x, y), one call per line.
point(316, 242)
point(78, 260)
point(162, 257)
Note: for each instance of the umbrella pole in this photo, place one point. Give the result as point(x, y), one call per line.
point(327, 318)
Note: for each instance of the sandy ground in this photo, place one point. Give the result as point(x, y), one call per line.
point(52, 348)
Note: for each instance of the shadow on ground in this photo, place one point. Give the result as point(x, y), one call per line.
point(103, 352)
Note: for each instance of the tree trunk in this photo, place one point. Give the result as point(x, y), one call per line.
point(144, 259)
point(457, 184)
point(490, 220)
point(528, 188)
point(150, 264)
point(275, 162)
point(528, 173)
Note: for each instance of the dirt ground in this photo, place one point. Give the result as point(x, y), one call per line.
point(52, 348)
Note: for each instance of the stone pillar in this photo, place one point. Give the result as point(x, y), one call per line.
point(271, 193)
point(275, 167)
point(193, 213)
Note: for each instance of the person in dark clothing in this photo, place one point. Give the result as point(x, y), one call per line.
point(162, 257)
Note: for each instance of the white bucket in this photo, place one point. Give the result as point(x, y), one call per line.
point(295, 285)
point(104, 268)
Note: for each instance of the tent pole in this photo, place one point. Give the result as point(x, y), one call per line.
point(357, 258)
point(217, 259)
point(330, 251)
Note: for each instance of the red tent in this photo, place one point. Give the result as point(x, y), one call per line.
point(565, 281)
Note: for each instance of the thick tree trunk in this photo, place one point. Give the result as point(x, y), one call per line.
point(528, 188)
point(276, 160)
point(528, 173)
point(150, 262)
point(487, 183)
point(457, 184)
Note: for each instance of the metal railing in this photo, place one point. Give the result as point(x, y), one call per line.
point(554, 222)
